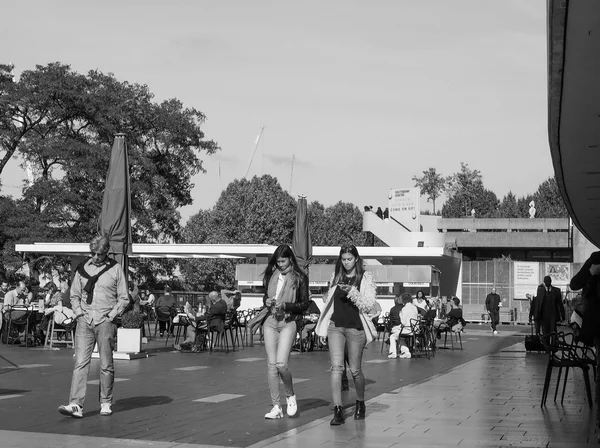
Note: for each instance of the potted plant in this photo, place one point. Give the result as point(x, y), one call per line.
point(129, 335)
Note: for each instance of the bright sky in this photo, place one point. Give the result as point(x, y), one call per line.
point(364, 94)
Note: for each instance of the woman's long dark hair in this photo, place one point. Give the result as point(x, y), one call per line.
point(339, 268)
point(282, 251)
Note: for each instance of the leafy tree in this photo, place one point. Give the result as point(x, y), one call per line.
point(256, 211)
point(344, 225)
point(63, 124)
point(548, 200)
point(508, 207)
point(259, 211)
point(466, 192)
point(432, 185)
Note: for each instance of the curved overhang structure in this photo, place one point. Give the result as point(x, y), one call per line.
point(574, 108)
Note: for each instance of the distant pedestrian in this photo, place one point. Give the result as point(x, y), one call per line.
point(286, 299)
point(548, 307)
point(346, 324)
point(379, 213)
point(492, 305)
point(98, 295)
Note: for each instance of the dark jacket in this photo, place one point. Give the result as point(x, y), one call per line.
point(395, 315)
point(296, 309)
point(492, 301)
point(548, 305)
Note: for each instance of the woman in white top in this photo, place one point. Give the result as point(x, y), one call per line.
point(421, 302)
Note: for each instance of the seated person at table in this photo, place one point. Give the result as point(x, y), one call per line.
point(395, 311)
point(3, 290)
point(454, 319)
point(166, 300)
point(374, 314)
point(134, 295)
point(409, 312)
point(423, 305)
point(212, 320)
point(233, 298)
point(16, 297)
point(311, 316)
point(58, 303)
point(146, 297)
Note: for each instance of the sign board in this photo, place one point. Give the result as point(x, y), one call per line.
point(415, 285)
point(404, 207)
point(560, 273)
point(249, 283)
point(318, 283)
point(526, 278)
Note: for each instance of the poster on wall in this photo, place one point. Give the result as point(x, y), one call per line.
point(526, 279)
point(405, 207)
point(560, 273)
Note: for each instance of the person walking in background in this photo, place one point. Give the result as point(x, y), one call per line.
point(98, 295)
point(346, 324)
point(287, 300)
point(548, 307)
point(492, 305)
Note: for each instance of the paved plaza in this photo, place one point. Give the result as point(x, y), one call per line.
point(486, 395)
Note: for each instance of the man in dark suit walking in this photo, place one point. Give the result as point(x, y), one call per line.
point(548, 307)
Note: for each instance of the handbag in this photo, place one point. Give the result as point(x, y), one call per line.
point(368, 327)
point(258, 319)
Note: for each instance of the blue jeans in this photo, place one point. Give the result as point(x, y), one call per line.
point(86, 336)
point(279, 337)
point(354, 340)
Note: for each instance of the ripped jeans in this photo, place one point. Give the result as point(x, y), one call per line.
point(279, 337)
point(355, 340)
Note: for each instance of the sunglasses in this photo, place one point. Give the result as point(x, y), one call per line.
point(99, 254)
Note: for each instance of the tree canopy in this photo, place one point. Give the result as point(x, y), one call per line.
point(466, 193)
point(432, 184)
point(63, 123)
point(259, 211)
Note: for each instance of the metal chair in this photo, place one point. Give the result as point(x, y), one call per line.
point(164, 314)
point(17, 317)
point(220, 337)
point(562, 353)
point(420, 339)
point(54, 331)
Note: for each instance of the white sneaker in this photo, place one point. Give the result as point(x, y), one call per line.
point(276, 412)
point(72, 410)
point(292, 406)
point(495, 331)
point(392, 356)
point(105, 409)
point(405, 355)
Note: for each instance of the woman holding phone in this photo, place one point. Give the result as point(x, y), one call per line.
point(287, 300)
point(346, 323)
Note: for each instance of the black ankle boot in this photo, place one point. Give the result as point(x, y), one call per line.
point(338, 416)
point(360, 411)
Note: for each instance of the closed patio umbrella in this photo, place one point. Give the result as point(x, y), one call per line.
point(301, 243)
point(115, 219)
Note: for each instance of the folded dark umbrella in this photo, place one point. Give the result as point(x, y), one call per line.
point(115, 219)
point(301, 243)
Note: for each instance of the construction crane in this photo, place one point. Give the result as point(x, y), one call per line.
point(254, 152)
point(292, 173)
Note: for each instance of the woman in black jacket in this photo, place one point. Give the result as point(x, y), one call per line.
point(287, 300)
